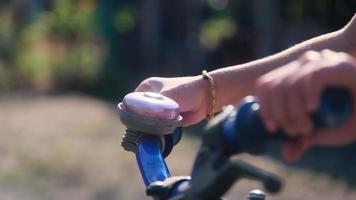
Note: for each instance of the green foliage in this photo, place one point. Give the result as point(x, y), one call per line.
point(216, 29)
point(69, 18)
point(59, 48)
point(125, 19)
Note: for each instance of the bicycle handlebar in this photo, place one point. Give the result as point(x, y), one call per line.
point(150, 154)
point(150, 161)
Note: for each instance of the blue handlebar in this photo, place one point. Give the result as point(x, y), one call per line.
point(150, 157)
point(150, 161)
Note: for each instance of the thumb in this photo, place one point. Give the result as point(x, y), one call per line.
point(150, 85)
point(293, 150)
point(192, 117)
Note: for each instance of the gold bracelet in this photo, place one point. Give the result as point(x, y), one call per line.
point(212, 93)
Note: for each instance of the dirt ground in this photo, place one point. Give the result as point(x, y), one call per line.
point(68, 147)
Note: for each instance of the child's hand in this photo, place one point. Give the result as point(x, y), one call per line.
point(191, 93)
point(290, 94)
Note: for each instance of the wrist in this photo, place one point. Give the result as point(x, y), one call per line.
point(221, 86)
point(208, 89)
point(347, 36)
point(203, 89)
point(350, 27)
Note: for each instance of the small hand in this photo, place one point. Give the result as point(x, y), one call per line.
point(290, 94)
point(191, 93)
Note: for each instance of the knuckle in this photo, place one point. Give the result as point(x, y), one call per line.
point(150, 80)
point(309, 56)
point(261, 84)
point(326, 51)
point(146, 85)
point(344, 56)
point(146, 82)
point(263, 88)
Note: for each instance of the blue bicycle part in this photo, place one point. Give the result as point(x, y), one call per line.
point(150, 161)
point(236, 131)
point(150, 156)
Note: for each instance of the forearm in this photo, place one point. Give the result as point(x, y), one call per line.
point(235, 82)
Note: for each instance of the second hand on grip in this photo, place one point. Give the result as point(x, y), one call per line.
point(244, 131)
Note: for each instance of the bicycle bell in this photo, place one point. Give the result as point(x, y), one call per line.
point(148, 113)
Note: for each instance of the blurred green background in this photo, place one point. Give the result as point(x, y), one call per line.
point(105, 48)
point(64, 63)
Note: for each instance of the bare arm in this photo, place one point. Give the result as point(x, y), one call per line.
point(235, 82)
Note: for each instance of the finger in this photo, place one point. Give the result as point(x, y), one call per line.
point(263, 89)
point(337, 136)
point(279, 111)
point(309, 56)
point(298, 117)
point(192, 117)
point(152, 84)
point(143, 87)
point(294, 150)
point(323, 77)
point(309, 91)
point(332, 56)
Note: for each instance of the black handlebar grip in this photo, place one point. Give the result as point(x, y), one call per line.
point(244, 131)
